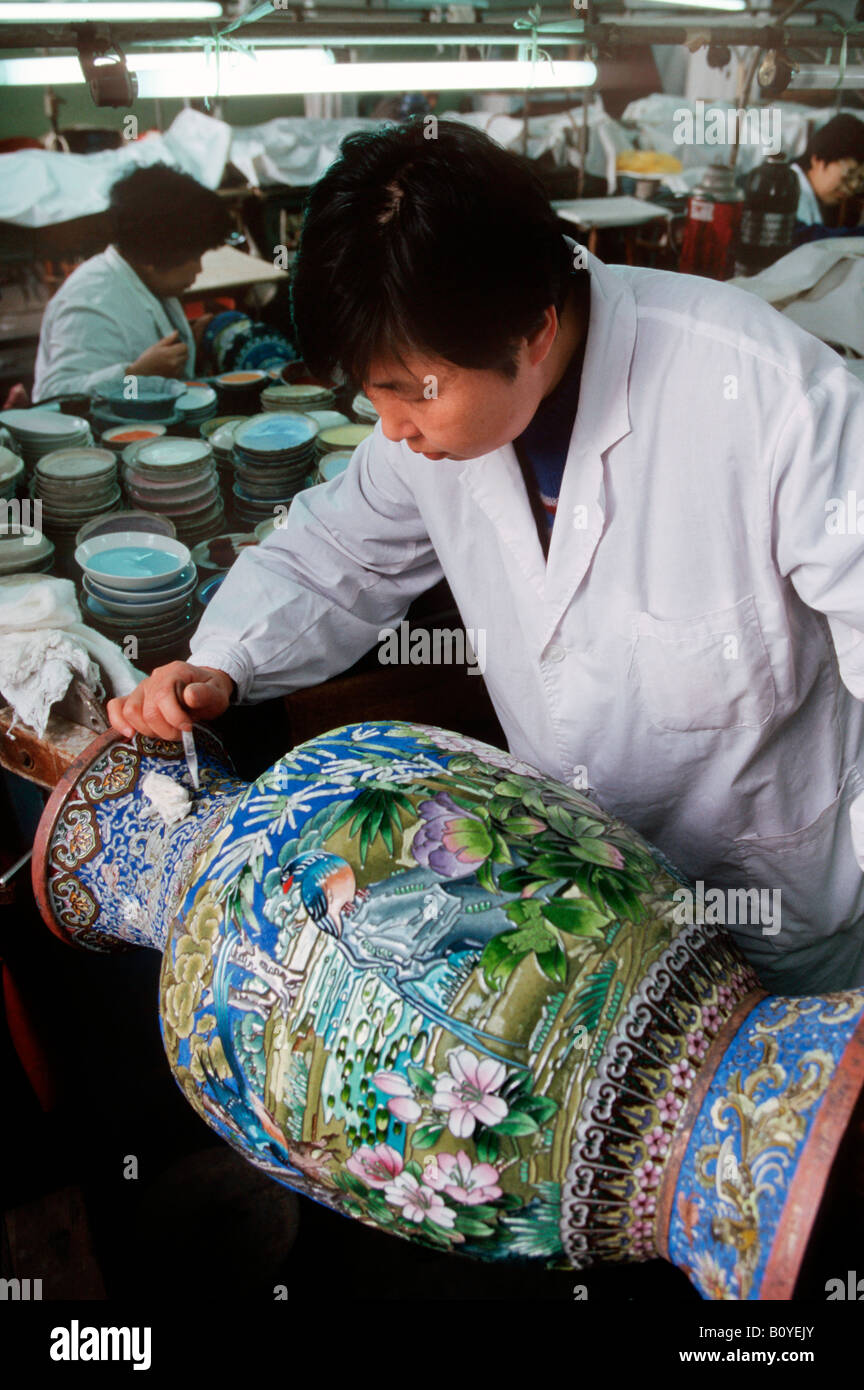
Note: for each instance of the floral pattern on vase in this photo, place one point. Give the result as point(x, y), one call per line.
point(410, 977)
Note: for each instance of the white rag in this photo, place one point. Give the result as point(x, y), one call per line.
point(44, 643)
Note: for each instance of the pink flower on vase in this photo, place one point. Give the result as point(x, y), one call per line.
point(461, 1179)
point(697, 1045)
point(657, 1142)
point(711, 1017)
point(402, 1104)
point(725, 997)
point(648, 1174)
point(669, 1107)
point(419, 1202)
point(644, 1204)
point(468, 1093)
point(682, 1075)
point(377, 1167)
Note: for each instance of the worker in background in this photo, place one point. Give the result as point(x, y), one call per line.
point(118, 314)
point(631, 480)
point(830, 169)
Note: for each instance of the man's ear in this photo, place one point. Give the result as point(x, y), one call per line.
point(539, 343)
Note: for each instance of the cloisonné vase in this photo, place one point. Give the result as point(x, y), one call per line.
point(420, 983)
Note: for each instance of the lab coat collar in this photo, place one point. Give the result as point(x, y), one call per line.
point(495, 480)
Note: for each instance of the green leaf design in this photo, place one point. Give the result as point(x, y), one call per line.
point(423, 1080)
point(588, 1008)
point(562, 821)
point(578, 916)
point(468, 1226)
point(488, 1146)
point(598, 852)
point(553, 963)
point(524, 825)
point(540, 1108)
point(498, 961)
point(517, 1123)
point(482, 1212)
point(413, 1167)
point(426, 1135)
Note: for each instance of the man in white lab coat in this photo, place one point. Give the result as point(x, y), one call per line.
point(692, 644)
point(118, 314)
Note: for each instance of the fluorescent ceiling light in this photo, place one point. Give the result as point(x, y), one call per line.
point(303, 71)
point(826, 78)
point(52, 11)
point(703, 4)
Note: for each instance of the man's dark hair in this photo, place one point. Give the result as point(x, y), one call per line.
point(840, 138)
point(163, 218)
point(444, 246)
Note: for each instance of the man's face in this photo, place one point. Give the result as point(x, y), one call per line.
point(444, 411)
point(167, 283)
point(827, 179)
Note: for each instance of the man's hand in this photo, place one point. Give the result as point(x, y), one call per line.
point(165, 358)
point(153, 708)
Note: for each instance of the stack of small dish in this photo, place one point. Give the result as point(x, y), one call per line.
point(74, 485)
point(11, 472)
point(198, 403)
point(177, 477)
point(239, 392)
point(363, 409)
point(273, 456)
point(221, 441)
point(332, 465)
point(40, 432)
point(23, 549)
point(142, 585)
point(341, 438)
point(303, 395)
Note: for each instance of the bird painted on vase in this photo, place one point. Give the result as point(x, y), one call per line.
point(328, 888)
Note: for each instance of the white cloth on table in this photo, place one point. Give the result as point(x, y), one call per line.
point(819, 286)
point(44, 643)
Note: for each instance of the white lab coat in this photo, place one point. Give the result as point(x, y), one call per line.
point(685, 642)
point(98, 323)
point(808, 210)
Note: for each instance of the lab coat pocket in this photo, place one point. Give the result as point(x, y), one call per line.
point(814, 870)
point(707, 672)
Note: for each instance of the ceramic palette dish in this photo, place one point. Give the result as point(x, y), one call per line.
point(363, 409)
point(152, 398)
point(271, 523)
point(126, 521)
point(132, 560)
point(104, 418)
point(272, 457)
point(299, 396)
point(198, 403)
point(162, 600)
point(342, 437)
point(120, 437)
point(23, 550)
point(39, 432)
point(333, 465)
point(220, 552)
point(11, 472)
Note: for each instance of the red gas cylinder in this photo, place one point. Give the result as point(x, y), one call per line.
point(711, 229)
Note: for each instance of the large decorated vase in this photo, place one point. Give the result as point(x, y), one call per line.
point(411, 978)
